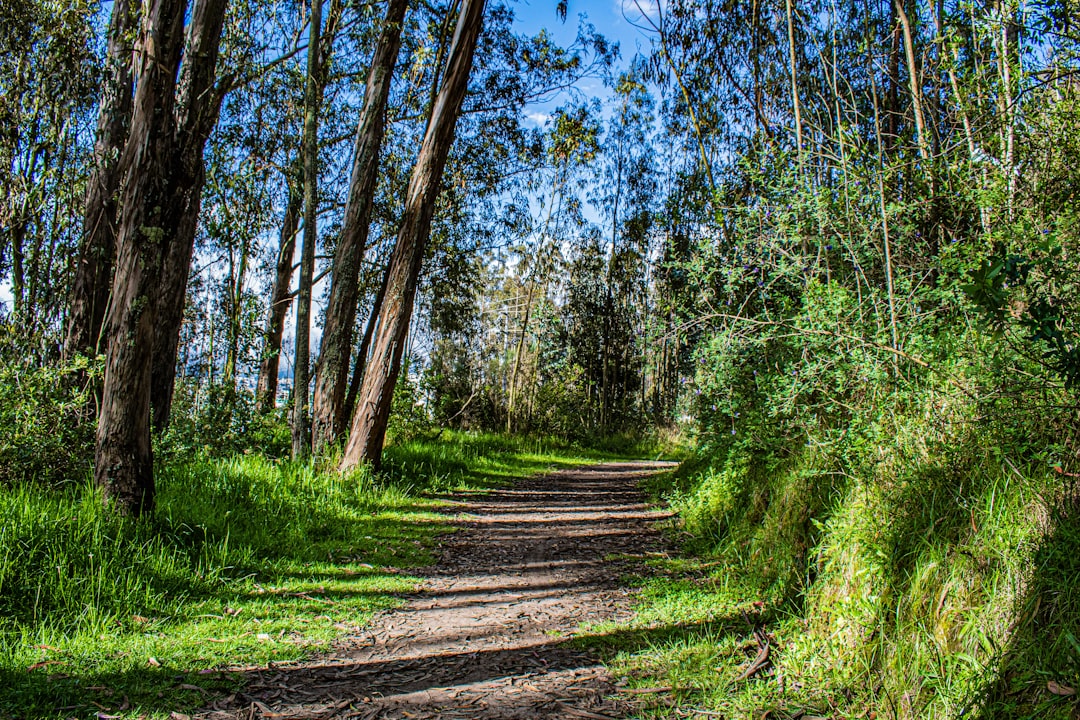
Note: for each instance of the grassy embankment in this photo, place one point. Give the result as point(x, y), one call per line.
point(907, 568)
point(246, 561)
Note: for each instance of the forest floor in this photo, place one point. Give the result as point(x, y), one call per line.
point(488, 635)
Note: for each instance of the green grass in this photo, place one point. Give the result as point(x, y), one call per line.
point(246, 561)
point(932, 580)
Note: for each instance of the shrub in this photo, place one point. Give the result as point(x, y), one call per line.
point(47, 421)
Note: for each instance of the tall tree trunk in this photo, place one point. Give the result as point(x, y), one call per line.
point(913, 81)
point(196, 115)
point(882, 206)
point(236, 302)
point(280, 299)
point(93, 272)
point(1009, 70)
point(517, 356)
point(332, 371)
point(792, 66)
point(301, 440)
point(158, 187)
point(376, 394)
point(892, 90)
point(365, 346)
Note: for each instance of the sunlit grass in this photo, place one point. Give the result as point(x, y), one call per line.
point(247, 561)
point(931, 583)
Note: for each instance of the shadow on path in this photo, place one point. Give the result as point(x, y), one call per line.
point(486, 637)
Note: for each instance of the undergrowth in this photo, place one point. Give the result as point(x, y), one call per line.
point(915, 556)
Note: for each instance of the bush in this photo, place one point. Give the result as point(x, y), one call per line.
point(47, 421)
point(909, 521)
point(221, 421)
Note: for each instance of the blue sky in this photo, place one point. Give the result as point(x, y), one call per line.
point(606, 15)
point(611, 19)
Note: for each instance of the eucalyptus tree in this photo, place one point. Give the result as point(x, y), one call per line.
point(93, 273)
point(332, 371)
point(376, 393)
point(309, 152)
point(572, 144)
point(280, 296)
point(254, 44)
point(48, 86)
point(175, 107)
point(625, 190)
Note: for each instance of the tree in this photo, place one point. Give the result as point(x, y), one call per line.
point(49, 85)
point(376, 393)
point(163, 172)
point(309, 151)
point(280, 297)
point(332, 371)
point(93, 273)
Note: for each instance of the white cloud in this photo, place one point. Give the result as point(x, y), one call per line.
point(540, 119)
point(635, 10)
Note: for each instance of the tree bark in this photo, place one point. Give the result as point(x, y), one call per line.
point(913, 81)
point(280, 299)
point(93, 272)
point(332, 371)
point(365, 346)
point(160, 183)
point(794, 83)
point(376, 394)
point(301, 440)
point(196, 114)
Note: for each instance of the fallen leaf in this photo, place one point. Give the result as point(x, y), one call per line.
point(1062, 690)
point(139, 619)
point(262, 636)
point(153, 661)
point(179, 716)
point(44, 663)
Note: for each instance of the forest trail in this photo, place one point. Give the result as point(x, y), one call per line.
point(485, 637)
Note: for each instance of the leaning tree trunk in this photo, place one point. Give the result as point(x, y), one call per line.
point(158, 184)
point(377, 391)
point(365, 346)
point(197, 113)
point(332, 372)
point(280, 299)
point(93, 272)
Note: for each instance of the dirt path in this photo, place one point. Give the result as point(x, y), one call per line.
point(486, 635)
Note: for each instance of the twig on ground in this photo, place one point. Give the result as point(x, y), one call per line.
point(582, 713)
